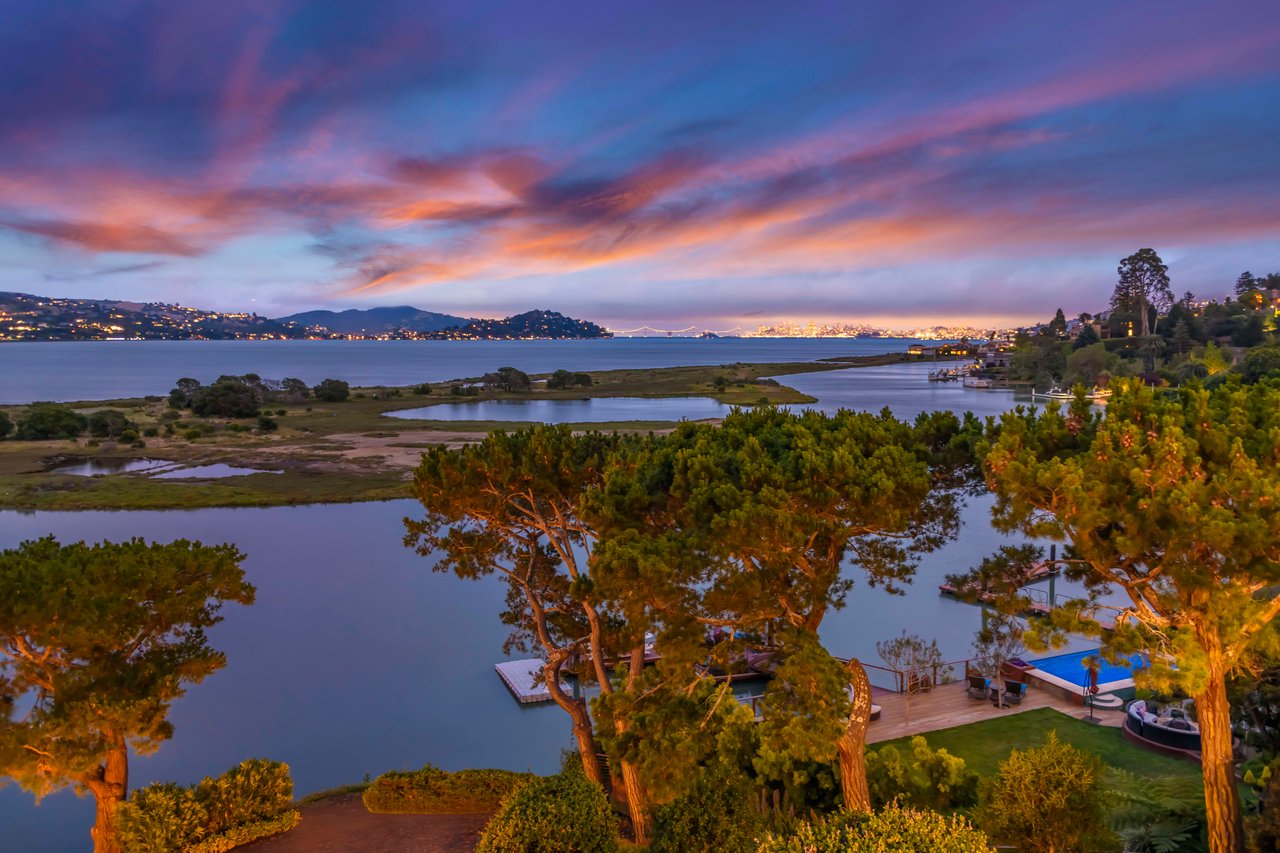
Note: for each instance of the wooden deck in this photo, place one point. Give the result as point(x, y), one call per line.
point(950, 705)
point(523, 679)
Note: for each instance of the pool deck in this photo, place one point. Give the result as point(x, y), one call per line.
point(951, 705)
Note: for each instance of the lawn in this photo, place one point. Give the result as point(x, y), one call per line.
point(985, 744)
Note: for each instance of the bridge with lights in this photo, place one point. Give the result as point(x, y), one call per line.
point(691, 331)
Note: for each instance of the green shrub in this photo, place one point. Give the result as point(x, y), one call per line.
point(715, 816)
point(229, 397)
point(192, 434)
point(6, 425)
point(253, 790)
point(108, 423)
point(44, 421)
point(931, 779)
point(891, 830)
point(1156, 815)
point(568, 379)
point(151, 432)
point(160, 818)
point(1049, 798)
point(435, 791)
point(252, 800)
point(138, 444)
point(266, 424)
point(129, 436)
point(566, 813)
point(332, 391)
point(1264, 828)
point(280, 413)
point(244, 833)
point(422, 390)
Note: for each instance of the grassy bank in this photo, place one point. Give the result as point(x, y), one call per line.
point(335, 452)
point(985, 744)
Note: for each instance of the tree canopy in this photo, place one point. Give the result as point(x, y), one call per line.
point(507, 379)
point(510, 506)
point(97, 642)
point(1143, 285)
point(332, 391)
point(749, 526)
point(1173, 499)
point(44, 421)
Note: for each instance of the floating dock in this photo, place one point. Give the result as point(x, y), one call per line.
point(523, 679)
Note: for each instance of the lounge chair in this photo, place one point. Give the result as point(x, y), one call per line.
point(978, 685)
point(1014, 691)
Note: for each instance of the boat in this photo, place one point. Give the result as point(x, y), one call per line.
point(1097, 395)
point(1054, 393)
point(945, 375)
point(977, 382)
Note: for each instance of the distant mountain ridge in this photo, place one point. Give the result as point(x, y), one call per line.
point(375, 321)
point(25, 317)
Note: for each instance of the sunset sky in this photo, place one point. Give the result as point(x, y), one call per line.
point(717, 163)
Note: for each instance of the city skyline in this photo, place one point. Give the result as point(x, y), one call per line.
point(726, 165)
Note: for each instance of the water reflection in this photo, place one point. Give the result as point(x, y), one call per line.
point(597, 410)
point(214, 471)
point(99, 467)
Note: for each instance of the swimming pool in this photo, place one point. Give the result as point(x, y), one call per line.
point(1070, 668)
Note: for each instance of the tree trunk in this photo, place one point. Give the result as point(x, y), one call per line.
point(577, 711)
point(637, 797)
point(853, 743)
point(110, 787)
point(1221, 797)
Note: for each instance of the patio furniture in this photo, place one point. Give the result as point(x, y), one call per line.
point(978, 686)
point(1014, 690)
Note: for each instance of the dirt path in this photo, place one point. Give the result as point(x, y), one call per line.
point(342, 825)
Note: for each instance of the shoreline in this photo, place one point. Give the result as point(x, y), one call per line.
point(348, 452)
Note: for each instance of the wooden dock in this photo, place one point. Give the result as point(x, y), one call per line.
point(523, 679)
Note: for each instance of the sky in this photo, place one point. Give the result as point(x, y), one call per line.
point(664, 163)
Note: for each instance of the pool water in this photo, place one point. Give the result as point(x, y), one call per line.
point(1070, 667)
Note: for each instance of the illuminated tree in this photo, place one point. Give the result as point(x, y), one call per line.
point(510, 506)
point(1173, 499)
point(748, 528)
point(96, 641)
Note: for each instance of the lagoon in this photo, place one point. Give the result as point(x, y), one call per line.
point(597, 410)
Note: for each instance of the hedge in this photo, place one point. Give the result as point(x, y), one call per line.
point(566, 813)
point(435, 791)
point(252, 800)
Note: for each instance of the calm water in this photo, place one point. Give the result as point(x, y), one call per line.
point(904, 388)
point(110, 369)
point(98, 467)
point(600, 410)
point(357, 658)
point(215, 471)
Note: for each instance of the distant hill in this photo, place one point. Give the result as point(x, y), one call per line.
point(376, 321)
point(24, 317)
point(531, 324)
